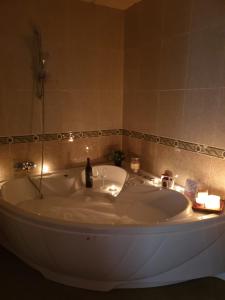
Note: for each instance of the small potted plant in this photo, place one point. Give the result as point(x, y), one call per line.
point(118, 156)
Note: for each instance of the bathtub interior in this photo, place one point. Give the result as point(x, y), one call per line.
point(67, 199)
point(64, 183)
point(107, 179)
point(18, 190)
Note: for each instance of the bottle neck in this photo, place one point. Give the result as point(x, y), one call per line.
point(88, 162)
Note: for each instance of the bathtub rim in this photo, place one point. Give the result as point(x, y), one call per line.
point(120, 229)
point(170, 225)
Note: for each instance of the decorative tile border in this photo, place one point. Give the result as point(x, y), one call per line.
point(4, 140)
point(48, 137)
point(109, 132)
point(167, 141)
point(22, 139)
point(187, 146)
point(179, 144)
point(59, 136)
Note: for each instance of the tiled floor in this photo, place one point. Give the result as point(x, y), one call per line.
point(20, 282)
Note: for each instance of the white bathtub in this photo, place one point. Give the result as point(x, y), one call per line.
point(143, 237)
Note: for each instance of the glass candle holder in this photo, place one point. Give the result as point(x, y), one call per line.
point(135, 164)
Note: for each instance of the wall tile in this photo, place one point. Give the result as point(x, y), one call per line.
point(109, 23)
point(217, 178)
point(109, 71)
point(110, 106)
point(55, 102)
point(132, 28)
point(132, 146)
point(150, 64)
point(173, 70)
point(108, 145)
point(6, 164)
point(206, 66)
point(170, 114)
point(177, 17)
point(132, 58)
point(16, 62)
point(3, 114)
point(14, 11)
point(207, 13)
point(81, 111)
point(83, 68)
point(218, 115)
point(82, 23)
point(146, 111)
point(200, 116)
point(58, 65)
point(132, 80)
point(130, 120)
point(151, 19)
point(18, 108)
point(148, 156)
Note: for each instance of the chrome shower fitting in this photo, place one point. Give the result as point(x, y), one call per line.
point(25, 165)
point(39, 62)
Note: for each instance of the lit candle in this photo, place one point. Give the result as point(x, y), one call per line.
point(201, 197)
point(135, 164)
point(112, 188)
point(212, 202)
point(71, 137)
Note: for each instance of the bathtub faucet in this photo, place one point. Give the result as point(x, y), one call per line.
point(25, 165)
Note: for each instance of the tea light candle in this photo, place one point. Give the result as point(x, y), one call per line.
point(201, 197)
point(212, 202)
point(112, 188)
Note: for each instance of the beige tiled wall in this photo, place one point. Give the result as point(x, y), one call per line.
point(174, 84)
point(84, 88)
point(84, 46)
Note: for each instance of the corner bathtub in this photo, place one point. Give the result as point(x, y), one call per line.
point(140, 237)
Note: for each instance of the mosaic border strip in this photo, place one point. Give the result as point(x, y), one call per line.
point(58, 136)
point(179, 144)
point(170, 142)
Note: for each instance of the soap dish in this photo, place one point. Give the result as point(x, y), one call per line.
point(201, 208)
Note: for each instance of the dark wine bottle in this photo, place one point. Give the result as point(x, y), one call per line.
point(88, 174)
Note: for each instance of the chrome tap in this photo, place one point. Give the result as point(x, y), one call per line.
point(25, 165)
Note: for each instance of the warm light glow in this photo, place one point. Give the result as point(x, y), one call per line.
point(208, 201)
point(178, 188)
point(202, 196)
point(135, 164)
point(212, 202)
point(157, 181)
point(113, 190)
point(71, 137)
point(45, 169)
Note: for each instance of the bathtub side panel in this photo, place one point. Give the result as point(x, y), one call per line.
point(117, 260)
point(26, 241)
